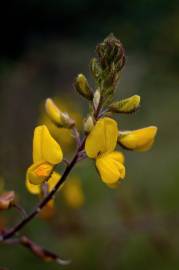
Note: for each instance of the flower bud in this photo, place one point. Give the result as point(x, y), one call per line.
point(127, 105)
point(111, 59)
point(61, 119)
point(7, 200)
point(82, 87)
point(96, 99)
point(66, 120)
point(53, 111)
point(111, 54)
point(139, 140)
point(88, 124)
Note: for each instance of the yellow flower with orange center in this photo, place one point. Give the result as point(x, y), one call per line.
point(46, 154)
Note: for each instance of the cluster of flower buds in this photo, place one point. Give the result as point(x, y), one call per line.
point(103, 134)
point(107, 67)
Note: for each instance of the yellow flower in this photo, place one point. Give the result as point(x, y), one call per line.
point(46, 154)
point(140, 139)
point(73, 193)
point(37, 189)
point(100, 145)
point(39, 172)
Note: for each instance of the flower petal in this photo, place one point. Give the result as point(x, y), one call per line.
point(110, 167)
point(39, 172)
point(53, 180)
point(34, 189)
point(102, 138)
point(53, 111)
point(140, 139)
point(45, 148)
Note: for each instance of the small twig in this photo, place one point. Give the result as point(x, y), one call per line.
point(66, 162)
point(20, 209)
point(41, 252)
point(12, 241)
point(81, 155)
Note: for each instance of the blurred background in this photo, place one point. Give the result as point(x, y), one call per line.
point(44, 45)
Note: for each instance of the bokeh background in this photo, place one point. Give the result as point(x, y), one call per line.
point(44, 45)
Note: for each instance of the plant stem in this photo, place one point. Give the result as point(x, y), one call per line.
point(45, 200)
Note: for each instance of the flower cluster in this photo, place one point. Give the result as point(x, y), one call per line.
point(101, 140)
point(102, 132)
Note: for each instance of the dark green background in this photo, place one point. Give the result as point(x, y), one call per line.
point(44, 44)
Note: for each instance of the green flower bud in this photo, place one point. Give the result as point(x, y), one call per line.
point(111, 54)
point(127, 105)
point(82, 87)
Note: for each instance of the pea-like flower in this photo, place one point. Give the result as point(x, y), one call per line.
point(100, 145)
point(46, 154)
point(139, 140)
point(37, 189)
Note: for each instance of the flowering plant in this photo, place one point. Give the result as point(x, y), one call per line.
point(101, 137)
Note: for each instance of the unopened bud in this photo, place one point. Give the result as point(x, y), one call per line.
point(82, 87)
point(88, 124)
point(7, 200)
point(53, 111)
point(96, 99)
point(61, 119)
point(111, 53)
point(66, 120)
point(127, 105)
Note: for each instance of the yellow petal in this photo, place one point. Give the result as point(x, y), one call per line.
point(53, 180)
point(53, 111)
point(102, 138)
point(45, 148)
point(140, 139)
point(34, 189)
point(110, 167)
point(39, 172)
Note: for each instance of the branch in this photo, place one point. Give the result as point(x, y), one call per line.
point(20, 209)
point(41, 252)
point(8, 234)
